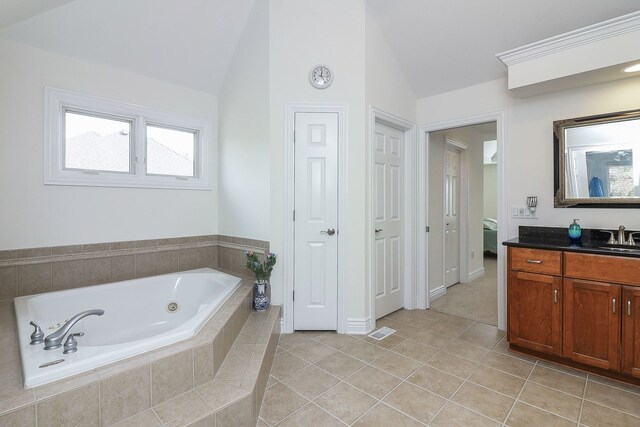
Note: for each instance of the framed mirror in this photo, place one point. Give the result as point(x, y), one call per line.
point(597, 161)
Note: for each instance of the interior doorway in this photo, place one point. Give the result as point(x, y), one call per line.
point(464, 281)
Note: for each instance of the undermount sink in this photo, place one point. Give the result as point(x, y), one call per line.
point(615, 249)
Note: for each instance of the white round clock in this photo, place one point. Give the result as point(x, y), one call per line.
point(321, 76)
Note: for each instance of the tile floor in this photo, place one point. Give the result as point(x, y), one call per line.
point(436, 370)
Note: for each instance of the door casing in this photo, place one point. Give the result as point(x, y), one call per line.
point(422, 195)
point(409, 221)
point(289, 198)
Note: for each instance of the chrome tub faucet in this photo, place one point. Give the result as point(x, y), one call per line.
point(55, 339)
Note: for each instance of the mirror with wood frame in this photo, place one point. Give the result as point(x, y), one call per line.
point(597, 161)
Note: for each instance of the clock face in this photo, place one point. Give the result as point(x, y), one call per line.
point(321, 76)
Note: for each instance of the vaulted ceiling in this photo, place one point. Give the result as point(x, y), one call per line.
point(440, 44)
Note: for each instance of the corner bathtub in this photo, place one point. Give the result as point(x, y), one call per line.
point(136, 319)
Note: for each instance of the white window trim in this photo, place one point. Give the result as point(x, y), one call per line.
point(55, 174)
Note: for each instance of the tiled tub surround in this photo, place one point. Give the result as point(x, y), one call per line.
point(211, 379)
point(37, 270)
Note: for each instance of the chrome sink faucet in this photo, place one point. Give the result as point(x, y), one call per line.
point(55, 339)
point(621, 239)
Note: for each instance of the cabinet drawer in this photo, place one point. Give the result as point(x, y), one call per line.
point(602, 268)
point(536, 260)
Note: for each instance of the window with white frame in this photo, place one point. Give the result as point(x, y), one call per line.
point(97, 142)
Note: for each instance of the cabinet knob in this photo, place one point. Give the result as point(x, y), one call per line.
point(555, 296)
point(534, 261)
point(628, 307)
point(613, 303)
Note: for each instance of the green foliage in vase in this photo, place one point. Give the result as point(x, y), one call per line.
point(262, 269)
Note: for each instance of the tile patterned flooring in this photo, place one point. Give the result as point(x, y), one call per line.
point(436, 370)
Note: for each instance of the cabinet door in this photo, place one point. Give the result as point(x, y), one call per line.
point(535, 310)
point(631, 331)
point(592, 323)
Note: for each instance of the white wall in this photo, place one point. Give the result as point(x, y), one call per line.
point(490, 191)
point(388, 90)
point(33, 214)
point(529, 141)
point(303, 34)
point(243, 170)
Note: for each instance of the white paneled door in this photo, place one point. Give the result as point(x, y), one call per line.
point(387, 191)
point(451, 216)
point(316, 222)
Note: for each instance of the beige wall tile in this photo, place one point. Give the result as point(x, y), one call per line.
point(238, 414)
point(218, 351)
point(66, 250)
point(203, 366)
point(207, 257)
point(8, 282)
point(130, 244)
point(74, 408)
point(125, 395)
point(183, 409)
point(23, 417)
point(34, 279)
point(96, 271)
point(171, 376)
point(144, 419)
point(188, 259)
point(123, 267)
point(167, 262)
point(95, 247)
point(33, 252)
point(146, 264)
point(66, 275)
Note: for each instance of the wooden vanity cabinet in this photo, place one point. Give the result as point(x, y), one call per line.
point(631, 330)
point(591, 326)
point(535, 300)
point(580, 309)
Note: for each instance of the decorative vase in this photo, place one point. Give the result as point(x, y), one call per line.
point(260, 299)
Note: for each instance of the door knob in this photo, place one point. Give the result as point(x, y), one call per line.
point(329, 231)
point(378, 230)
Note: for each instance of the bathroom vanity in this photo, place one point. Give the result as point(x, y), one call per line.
point(575, 305)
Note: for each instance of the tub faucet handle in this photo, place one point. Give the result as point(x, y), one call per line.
point(37, 337)
point(71, 345)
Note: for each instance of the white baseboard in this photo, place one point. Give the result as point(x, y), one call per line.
point(438, 292)
point(359, 326)
point(476, 274)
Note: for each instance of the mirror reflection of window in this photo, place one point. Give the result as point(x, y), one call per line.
point(602, 160)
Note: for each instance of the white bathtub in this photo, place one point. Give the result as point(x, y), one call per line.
point(136, 319)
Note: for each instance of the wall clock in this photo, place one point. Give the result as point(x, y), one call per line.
point(321, 76)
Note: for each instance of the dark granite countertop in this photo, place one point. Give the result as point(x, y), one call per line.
point(557, 239)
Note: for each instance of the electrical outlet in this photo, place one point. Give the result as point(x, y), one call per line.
point(514, 211)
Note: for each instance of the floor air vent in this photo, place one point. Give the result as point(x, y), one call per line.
point(381, 333)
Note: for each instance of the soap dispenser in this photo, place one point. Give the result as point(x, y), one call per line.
point(575, 232)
